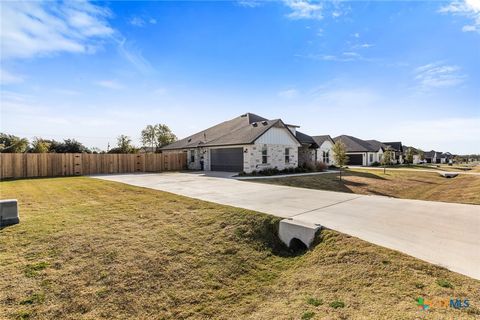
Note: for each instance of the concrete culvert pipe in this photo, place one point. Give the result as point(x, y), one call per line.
point(297, 233)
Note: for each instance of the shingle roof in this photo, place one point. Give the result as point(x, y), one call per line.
point(304, 138)
point(321, 139)
point(353, 144)
point(244, 129)
point(396, 146)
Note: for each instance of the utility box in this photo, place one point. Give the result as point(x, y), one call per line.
point(8, 212)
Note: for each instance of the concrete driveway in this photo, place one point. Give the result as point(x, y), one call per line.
point(445, 234)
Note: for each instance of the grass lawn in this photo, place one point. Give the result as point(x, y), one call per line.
point(439, 167)
point(91, 249)
point(395, 183)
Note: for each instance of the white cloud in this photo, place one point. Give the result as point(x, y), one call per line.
point(303, 9)
point(438, 75)
point(134, 56)
point(110, 84)
point(8, 78)
point(347, 56)
point(289, 93)
point(141, 22)
point(137, 22)
point(469, 9)
point(249, 3)
point(363, 45)
point(32, 29)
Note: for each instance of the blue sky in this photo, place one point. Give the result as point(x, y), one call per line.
point(406, 71)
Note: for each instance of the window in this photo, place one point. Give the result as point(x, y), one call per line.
point(264, 155)
point(371, 157)
point(287, 155)
point(326, 156)
point(192, 155)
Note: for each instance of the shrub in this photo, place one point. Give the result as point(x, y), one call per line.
point(375, 164)
point(320, 166)
point(444, 283)
point(314, 302)
point(337, 304)
point(308, 315)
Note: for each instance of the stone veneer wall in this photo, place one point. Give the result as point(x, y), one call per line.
point(305, 155)
point(252, 157)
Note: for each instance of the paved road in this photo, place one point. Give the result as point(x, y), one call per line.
point(445, 234)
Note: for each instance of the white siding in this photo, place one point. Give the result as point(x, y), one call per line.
point(278, 136)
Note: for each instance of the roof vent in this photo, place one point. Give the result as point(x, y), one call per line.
point(189, 139)
point(264, 123)
point(255, 124)
point(244, 115)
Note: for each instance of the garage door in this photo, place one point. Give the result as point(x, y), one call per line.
point(227, 159)
point(355, 159)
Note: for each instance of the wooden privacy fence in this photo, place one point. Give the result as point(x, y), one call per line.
point(30, 165)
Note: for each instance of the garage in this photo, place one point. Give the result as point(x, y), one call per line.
point(226, 159)
point(355, 159)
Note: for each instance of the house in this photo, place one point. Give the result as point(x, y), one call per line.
point(361, 152)
point(397, 149)
point(367, 152)
point(433, 157)
point(246, 143)
point(324, 152)
point(417, 154)
point(315, 149)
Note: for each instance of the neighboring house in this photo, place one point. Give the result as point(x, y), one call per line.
point(314, 149)
point(417, 154)
point(364, 152)
point(434, 157)
point(324, 153)
point(397, 148)
point(147, 150)
point(246, 143)
point(447, 157)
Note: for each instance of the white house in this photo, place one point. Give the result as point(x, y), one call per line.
point(246, 143)
point(361, 152)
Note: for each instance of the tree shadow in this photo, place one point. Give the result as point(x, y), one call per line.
point(362, 174)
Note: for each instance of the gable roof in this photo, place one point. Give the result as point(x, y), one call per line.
point(396, 145)
point(306, 139)
point(353, 144)
point(321, 139)
point(244, 129)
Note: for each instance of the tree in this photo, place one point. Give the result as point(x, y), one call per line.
point(409, 156)
point(68, 146)
point(124, 145)
point(157, 136)
point(340, 155)
point(165, 136)
point(148, 136)
point(12, 144)
point(40, 145)
point(387, 158)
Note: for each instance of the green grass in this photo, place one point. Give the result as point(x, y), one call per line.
point(394, 183)
point(91, 249)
